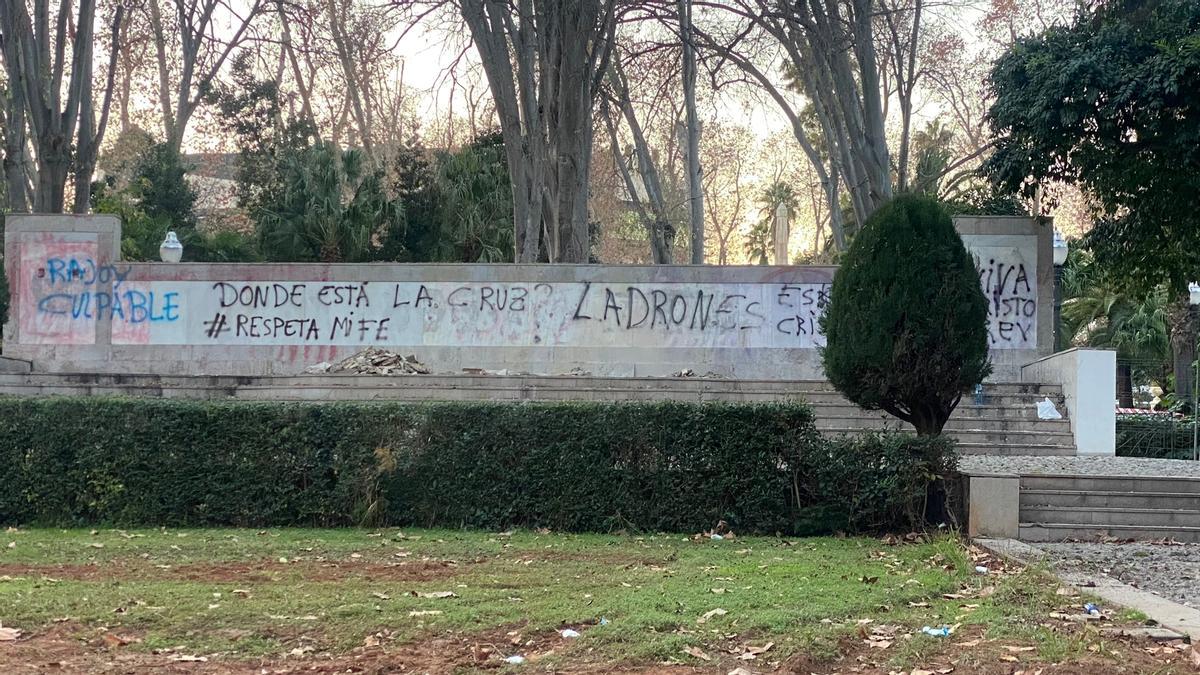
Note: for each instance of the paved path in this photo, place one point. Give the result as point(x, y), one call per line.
point(1172, 571)
point(1085, 465)
point(1159, 595)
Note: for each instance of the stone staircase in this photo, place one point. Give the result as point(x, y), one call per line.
point(1004, 423)
point(1087, 507)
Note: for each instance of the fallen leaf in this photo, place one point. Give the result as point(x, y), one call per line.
point(96, 545)
point(114, 640)
point(918, 604)
point(425, 612)
point(9, 634)
point(371, 641)
point(436, 594)
point(241, 592)
point(740, 671)
point(1008, 658)
point(188, 658)
point(710, 614)
point(752, 653)
point(968, 643)
point(1017, 650)
point(382, 596)
point(696, 652)
point(718, 591)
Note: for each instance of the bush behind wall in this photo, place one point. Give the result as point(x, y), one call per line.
point(663, 466)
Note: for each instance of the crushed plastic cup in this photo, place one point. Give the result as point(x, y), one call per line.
point(980, 569)
point(1092, 609)
point(569, 633)
point(603, 621)
point(944, 631)
point(716, 537)
point(515, 659)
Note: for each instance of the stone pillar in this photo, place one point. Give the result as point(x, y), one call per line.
point(994, 506)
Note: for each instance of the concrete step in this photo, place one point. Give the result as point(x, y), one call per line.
point(1081, 531)
point(1012, 436)
point(1110, 484)
point(343, 380)
point(464, 387)
point(1106, 516)
point(1120, 500)
point(1017, 449)
point(867, 420)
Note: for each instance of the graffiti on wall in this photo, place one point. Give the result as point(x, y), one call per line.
point(68, 294)
point(75, 292)
point(1010, 286)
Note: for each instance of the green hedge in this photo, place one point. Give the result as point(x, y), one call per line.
point(568, 466)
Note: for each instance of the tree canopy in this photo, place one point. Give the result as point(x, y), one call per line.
point(1112, 103)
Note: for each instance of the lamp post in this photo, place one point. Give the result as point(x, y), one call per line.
point(1061, 249)
point(171, 250)
point(1194, 300)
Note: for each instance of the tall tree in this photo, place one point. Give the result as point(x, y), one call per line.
point(192, 42)
point(1112, 103)
point(643, 184)
point(830, 51)
point(544, 60)
point(61, 120)
point(692, 134)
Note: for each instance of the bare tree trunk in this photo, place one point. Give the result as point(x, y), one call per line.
point(658, 227)
point(695, 194)
point(289, 52)
point(15, 140)
point(164, 78)
point(574, 130)
point(545, 119)
point(1182, 321)
point(91, 133)
point(201, 57)
point(362, 115)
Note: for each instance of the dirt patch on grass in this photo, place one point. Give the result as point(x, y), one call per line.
point(72, 648)
point(261, 571)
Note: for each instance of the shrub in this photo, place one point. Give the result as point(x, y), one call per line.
point(880, 481)
point(906, 325)
point(1154, 436)
point(664, 466)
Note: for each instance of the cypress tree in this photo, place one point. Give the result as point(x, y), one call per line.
point(906, 325)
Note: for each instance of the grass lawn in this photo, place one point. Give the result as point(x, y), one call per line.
point(452, 601)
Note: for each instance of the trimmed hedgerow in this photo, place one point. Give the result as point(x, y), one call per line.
point(663, 466)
